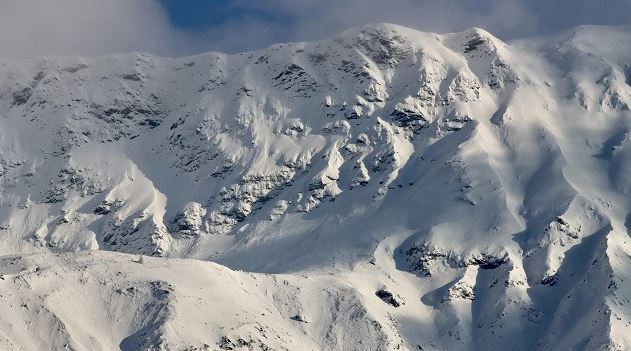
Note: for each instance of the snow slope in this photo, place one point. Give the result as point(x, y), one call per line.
point(383, 189)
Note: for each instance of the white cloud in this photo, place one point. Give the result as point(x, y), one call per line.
point(87, 27)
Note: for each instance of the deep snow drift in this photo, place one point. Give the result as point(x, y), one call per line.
point(384, 189)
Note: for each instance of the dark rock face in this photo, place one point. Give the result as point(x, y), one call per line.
point(407, 117)
point(473, 44)
point(299, 318)
point(488, 261)
point(387, 297)
point(21, 97)
point(422, 257)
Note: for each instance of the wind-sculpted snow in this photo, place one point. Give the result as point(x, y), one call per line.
point(387, 188)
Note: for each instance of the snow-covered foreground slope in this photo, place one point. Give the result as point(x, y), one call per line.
point(107, 301)
point(405, 190)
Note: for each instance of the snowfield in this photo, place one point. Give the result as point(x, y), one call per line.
point(386, 189)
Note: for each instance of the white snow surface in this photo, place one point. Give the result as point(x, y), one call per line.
point(386, 189)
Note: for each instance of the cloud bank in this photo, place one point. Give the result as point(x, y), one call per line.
point(507, 19)
point(34, 28)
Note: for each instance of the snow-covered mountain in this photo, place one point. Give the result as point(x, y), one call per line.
point(386, 189)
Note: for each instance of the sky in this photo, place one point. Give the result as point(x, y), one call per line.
point(35, 28)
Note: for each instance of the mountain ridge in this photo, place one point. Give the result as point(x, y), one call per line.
point(460, 191)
